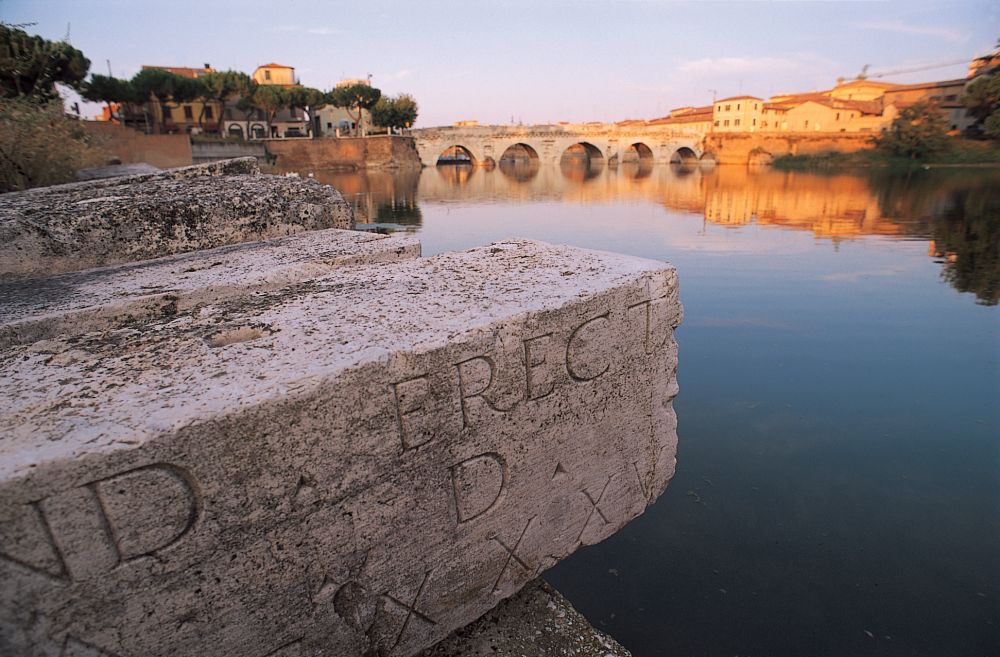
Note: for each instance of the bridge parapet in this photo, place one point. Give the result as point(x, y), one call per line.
point(550, 142)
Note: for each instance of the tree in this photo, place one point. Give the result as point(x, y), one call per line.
point(40, 145)
point(982, 97)
point(917, 132)
point(271, 99)
point(107, 89)
point(307, 99)
point(395, 112)
point(221, 86)
point(31, 65)
point(356, 97)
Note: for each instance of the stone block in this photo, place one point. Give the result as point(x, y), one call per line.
point(101, 299)
point(112, 221)
point(536, 622)
point(355, 465)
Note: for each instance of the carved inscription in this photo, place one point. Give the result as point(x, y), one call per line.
point(583, 343)
point(90, 530)
point(411, 610)
point(478, 484)
point(586, 354)
point(415, 426)
point(595, 508)
point(512, 555)
point(650, 341)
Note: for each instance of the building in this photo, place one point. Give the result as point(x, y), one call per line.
point(688, 119)
point(253, 124)
point(737, 114)
point(275, 74)
point(946, 94)
point(190, 117)
point(339, 121)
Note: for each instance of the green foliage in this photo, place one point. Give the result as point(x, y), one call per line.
point(918, 132)
point(104, 88)
point(40, 145)
point(982, 97)
point(395, 112)
point(356, 97)
point(31, 65)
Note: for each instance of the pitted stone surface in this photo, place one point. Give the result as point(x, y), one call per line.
point(537, 622)
point(102, 299)
point(106, 222)
point(356, 464)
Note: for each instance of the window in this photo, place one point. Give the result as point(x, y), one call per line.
point(755, 105)
point(727, 107)
point(725, 123)
point(716, 124)
point(208, 112)
point(763, 124)
point(737, 106)
point(166, 112)
point(267, 74)
point(755, 122)
point(736, 122)
point(837, 118)
point(188, 113)
point(329, 126)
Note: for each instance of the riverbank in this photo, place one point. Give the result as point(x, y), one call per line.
point(960, 153)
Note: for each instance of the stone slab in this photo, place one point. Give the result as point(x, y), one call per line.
point(536, 622)
point(101, 299)
point(357, 464)
point(99, 223)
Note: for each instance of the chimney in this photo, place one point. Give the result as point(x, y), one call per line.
point(207, 66)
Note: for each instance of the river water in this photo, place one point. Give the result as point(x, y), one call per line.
point(838, 481)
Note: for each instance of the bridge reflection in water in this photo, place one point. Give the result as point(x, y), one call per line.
point(938, 206)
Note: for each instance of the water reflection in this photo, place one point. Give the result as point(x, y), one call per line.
point(950, 209)
point(837, 490)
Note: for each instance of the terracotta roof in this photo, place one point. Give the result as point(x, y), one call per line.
point(722, 100)
point(273, 65)
point(777, 106)
point(184, 71)
point(928, 85)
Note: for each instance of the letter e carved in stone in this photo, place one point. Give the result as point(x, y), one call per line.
point(411, 398)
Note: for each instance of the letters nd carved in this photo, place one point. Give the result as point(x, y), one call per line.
point(90, 530)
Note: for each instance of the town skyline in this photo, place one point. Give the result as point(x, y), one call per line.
point(541, 62)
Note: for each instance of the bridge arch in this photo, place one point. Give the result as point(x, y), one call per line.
point(520, 161)
point(684, 155)
point(637, 152)
point(582, 152)
point(456, 154)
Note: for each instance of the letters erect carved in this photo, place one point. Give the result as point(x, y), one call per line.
point(478, 484)
point(89, 530)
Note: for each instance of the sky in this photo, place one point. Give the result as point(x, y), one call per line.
point(533, 61)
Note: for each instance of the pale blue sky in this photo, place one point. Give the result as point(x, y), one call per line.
point(536, 61)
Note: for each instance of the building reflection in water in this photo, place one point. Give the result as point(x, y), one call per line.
point(951, 208)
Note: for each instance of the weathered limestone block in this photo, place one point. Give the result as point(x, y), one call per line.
point(106, 222)
point(537, 622)
point(100, 299)
point(360, 465)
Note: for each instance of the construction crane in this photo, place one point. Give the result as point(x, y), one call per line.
point(914, 69)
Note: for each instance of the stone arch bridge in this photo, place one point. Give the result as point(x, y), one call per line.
point(611, 143)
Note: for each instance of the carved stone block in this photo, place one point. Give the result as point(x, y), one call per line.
point(357, 465)
point(107, 222)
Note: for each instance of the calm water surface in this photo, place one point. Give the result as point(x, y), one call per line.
point(838, 481)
